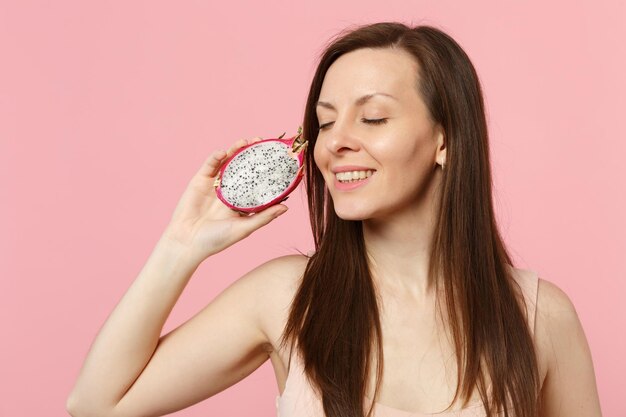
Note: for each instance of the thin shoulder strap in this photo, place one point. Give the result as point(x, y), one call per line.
point(528, 280)
point(533, 282)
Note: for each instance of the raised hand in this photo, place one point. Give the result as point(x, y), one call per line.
point(202, 223)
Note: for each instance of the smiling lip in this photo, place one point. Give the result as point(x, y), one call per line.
point(347, 186)
point(350, 168)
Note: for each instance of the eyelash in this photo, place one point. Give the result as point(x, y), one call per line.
point(368, 121)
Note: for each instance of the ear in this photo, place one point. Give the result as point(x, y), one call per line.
point(440, 136)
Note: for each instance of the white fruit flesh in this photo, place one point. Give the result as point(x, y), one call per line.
point(258, 174)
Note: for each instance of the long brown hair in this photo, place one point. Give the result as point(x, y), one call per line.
point(334, 316)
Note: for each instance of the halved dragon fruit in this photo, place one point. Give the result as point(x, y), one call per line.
point(261, 174)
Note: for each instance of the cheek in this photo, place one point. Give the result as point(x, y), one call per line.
point(318, 154)
point(405, 160)
point(392, 152)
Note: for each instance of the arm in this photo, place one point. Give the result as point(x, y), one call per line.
point(569, 389)
point(128, 359)
point(218, 347)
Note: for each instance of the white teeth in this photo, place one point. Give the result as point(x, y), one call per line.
point(353, 175)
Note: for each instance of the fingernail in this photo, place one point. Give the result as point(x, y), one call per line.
point(279, 212)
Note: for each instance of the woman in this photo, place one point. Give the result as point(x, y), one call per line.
point(410, 298)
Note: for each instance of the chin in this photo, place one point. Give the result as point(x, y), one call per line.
point(352, 213)
point(352, 217)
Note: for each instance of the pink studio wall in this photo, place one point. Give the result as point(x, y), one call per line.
point(108, 108)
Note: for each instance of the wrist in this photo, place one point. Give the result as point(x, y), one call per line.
point(176, 251)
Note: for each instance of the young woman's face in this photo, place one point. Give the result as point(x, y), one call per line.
point(402, 151)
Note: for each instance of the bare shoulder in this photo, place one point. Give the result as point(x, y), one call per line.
point(273, 285)
point(569, 387)
point(274, 276)
point(280, 274)
point(556, 319)
point(552, 300)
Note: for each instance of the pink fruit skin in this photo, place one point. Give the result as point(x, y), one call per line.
point(292, 186)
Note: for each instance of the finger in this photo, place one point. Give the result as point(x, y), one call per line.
point(251, 223)
point(212, 164)
point(239, 144)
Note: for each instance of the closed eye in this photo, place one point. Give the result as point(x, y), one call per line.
point(368, 121)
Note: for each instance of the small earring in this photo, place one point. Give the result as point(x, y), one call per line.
point(443, 165)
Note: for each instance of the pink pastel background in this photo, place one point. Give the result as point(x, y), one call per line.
point(108, 108)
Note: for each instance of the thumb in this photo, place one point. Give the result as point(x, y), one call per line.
point(260, 219)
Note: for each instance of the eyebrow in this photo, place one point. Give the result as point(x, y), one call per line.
point(358, 102)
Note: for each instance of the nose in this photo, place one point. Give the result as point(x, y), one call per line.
point(340, 139)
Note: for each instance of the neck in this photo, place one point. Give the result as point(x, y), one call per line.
point(399, 249)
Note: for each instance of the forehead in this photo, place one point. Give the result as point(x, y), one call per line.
point(359, 72)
